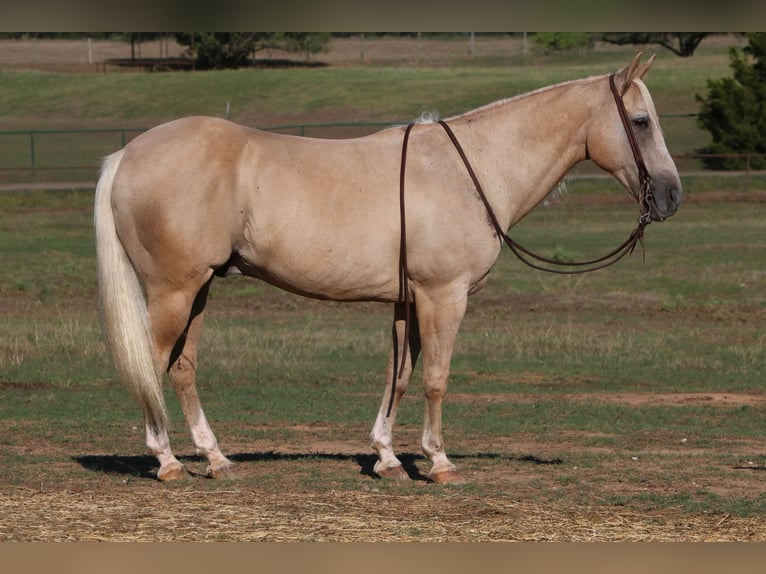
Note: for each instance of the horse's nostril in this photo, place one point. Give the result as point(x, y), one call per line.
point(672, 199)
point(675, 198)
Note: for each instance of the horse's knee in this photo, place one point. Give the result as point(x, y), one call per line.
point(435, 390)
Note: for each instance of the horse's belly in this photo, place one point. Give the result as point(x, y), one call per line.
point(335, 272)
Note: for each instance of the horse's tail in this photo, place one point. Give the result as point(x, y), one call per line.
point(124, 316)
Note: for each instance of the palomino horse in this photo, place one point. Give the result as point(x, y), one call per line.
point(202, 197)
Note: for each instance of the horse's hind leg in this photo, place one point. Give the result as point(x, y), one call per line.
point(158, 441)
point(388, 465)
point(182, 372)
point(176, 320)
point(168, 317)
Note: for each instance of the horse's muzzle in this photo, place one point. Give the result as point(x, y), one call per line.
point(665, 201)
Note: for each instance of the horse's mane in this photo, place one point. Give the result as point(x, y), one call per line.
point(432, 116)
point(505, 101)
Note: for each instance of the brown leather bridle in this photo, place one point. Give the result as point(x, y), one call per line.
point(627, 247)
point(644, 179)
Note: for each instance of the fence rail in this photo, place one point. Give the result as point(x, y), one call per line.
point(66, 155)
point(20, 152)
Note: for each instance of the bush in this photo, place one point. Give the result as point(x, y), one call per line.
point(734, 110)
point(561, 41)
point(216, 50)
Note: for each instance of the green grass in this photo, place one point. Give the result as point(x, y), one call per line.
point(38, 99)
point(525, 320)
point(31, 98)
point(687, 320)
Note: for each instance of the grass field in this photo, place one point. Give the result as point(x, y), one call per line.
point(624, 405)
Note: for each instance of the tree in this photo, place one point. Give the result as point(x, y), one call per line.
point(680, 43)
point(138, 37)
point(734, 110)
point(307, 43)
point(216, 50)
point(562, 41)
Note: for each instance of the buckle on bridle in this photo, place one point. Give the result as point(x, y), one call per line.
point(645, 200)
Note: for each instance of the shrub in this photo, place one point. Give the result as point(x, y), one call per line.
point(561, 41)
point(734, 110)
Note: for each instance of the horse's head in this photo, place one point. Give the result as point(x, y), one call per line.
point(625, 139)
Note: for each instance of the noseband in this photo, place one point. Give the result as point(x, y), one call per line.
point(524, 254)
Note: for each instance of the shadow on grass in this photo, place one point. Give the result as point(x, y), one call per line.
point(145, 466)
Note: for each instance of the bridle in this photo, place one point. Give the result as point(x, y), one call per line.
point(525, 255)
point(644, 179)
point(644, 199)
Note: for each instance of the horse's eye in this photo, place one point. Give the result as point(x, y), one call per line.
point(641, 121)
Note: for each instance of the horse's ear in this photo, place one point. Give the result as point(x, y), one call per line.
point(624, 77)
point(644, 68)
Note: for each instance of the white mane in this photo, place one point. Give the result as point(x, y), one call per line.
point(428, 118)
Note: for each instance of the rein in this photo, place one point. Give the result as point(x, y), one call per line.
point(628, 246)
point(525, 255)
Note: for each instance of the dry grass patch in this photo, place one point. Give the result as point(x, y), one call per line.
point(158, 513)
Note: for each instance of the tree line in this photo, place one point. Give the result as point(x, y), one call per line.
point(234, 49)
point(210, 50)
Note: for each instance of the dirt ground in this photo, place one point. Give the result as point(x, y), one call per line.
point(315, 488)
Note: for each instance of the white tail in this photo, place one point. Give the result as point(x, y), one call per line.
point(124, 317)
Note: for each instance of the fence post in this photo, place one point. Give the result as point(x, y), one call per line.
point(32, 152)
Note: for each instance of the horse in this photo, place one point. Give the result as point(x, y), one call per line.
point(201, 197)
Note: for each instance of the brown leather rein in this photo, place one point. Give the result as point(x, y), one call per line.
point(524, 254)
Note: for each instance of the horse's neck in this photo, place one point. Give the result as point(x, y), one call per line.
point(526, 145)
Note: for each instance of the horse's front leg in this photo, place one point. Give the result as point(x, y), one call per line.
point(440, 314)
point(388, 465)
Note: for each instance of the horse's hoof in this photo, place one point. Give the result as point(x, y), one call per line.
point(172, 473)
point(447, 477)
point(394, 473)
point(227, 470)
